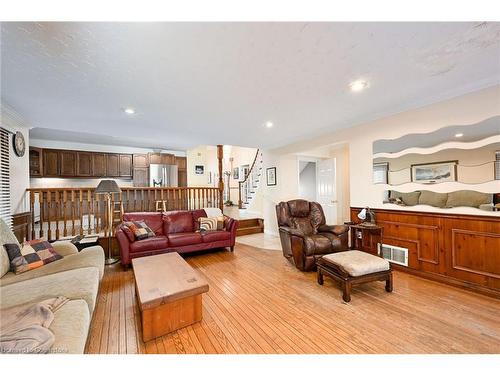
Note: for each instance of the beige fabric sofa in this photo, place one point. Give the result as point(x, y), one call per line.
point(76, 276)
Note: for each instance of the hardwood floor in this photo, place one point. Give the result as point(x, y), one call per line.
point(259, 303)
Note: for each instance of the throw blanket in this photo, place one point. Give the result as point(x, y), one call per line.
point(213, 211)
point(24, 329)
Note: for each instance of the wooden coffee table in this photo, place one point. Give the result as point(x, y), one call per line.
point(169, 293)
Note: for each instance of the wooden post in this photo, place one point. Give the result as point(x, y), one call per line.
point(220, 157)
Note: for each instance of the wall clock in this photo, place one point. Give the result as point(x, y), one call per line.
point(19, 144)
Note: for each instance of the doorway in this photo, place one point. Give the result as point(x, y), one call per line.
point(327, 189)
point(307, 180)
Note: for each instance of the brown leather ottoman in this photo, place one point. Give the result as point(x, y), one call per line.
point(354, 267)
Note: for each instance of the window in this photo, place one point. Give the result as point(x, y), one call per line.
point(5, 177)
point(497, 165)
point(380, 173)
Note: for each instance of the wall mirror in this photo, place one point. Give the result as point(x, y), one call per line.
point(460, 198)
point(468, 154)
point(473, 166)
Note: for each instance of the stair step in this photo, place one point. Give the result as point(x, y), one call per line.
point(249, 230)
point(250, 226)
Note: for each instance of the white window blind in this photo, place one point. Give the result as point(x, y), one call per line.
point(497, 165)
point(5, 177)
point(380, 172)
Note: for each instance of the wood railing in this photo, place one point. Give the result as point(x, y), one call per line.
point(62, 212)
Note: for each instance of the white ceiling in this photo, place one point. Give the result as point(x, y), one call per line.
point(212, 83)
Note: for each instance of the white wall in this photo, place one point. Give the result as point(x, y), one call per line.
point(287, 187)
point(19, 166)
point(462, 110)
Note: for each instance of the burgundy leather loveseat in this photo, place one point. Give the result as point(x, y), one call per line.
point(174, 231)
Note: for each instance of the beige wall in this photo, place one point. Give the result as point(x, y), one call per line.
point(462, 110)
point(207, 156)
point(201, 155)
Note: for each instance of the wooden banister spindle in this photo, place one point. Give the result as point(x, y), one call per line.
point(32, 210)
point(57, 213)
point(49, 213)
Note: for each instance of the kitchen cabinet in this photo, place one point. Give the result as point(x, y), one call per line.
point(50, 163)
point(98, 164)
point(83, 164)
point(112, 165)
point(125, 167)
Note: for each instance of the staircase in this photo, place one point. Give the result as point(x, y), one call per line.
point(248, 187)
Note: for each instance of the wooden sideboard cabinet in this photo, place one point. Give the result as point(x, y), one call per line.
point(462, 250)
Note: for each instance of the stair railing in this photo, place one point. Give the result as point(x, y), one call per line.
point(241, 184)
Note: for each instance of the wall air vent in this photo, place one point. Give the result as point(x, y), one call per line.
point(394, 254)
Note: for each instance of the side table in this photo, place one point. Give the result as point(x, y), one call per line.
point(366, 237)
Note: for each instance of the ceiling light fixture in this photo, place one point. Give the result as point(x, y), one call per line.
point(458, 135)
point(269, 124)
point(358, 85)
point(129, 111)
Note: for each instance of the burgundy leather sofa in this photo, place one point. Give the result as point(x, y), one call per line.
point(304, 235)
point(174, 231)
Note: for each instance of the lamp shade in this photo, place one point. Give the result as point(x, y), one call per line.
point(107, 187)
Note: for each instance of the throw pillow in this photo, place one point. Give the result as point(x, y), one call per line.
point(468, 198)
point(130, 235)
point(432, 198)
point(140, 229)
point(31, 255)
point(409, 199)
point(211, 223)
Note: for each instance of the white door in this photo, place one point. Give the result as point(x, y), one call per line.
point(327, 191)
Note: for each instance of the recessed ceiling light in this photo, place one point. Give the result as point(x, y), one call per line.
point(358, 85)
point(129, 111)
point(458, 135)
point(269, 124)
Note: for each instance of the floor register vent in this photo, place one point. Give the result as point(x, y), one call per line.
point(394, 254)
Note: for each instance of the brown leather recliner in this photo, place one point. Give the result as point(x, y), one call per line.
point(304, 235)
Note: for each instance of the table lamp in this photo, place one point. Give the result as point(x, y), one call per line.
point(107, 188)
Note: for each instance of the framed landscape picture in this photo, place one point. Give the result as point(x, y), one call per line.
point(271, 176)
point(432, 173)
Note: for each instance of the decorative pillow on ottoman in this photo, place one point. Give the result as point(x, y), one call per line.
point(33, 254)
point(140, 229)
point(211, 223)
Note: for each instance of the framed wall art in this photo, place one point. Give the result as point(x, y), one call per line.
point(271, 176)
point(432, 173)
